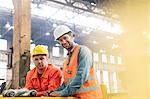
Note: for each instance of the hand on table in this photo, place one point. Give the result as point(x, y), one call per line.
point(55, 94)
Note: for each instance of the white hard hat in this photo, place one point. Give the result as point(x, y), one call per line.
point(61, 30)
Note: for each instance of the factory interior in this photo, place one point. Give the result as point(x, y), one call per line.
point(116, 31)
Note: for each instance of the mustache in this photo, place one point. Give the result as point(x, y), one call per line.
point(40, 65)
point(64, 45)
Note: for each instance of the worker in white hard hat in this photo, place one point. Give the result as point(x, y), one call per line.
point(79, 74)
point(44, 77)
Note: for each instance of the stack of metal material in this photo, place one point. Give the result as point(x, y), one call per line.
point(19, 93)
point(30, 93)
point(9, 93)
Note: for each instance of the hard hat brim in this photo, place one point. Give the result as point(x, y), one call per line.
point(57, 39)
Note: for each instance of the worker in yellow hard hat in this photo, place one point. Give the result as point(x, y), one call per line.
point(44, 77)
point(79, 74)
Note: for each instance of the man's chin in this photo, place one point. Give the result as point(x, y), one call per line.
point(40, 69)
point(40, 72)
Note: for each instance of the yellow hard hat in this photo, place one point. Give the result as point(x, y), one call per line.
point(40, 49)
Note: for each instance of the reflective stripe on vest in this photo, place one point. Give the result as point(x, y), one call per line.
point(87, 89)
point(70, 80)
point(89, 78)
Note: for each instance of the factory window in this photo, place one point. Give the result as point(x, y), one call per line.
point(32, 66)
point(114, 88)
point(98, 76)
point(55, 51)
point(65, 52)
point(119, 60)
point(3, 57)
point(3, 71)
point(32, 47)
point(106, 79)
point(112, 59)
point(3, 44)
point(104, 58)
point(95, 57)
point(3, 60)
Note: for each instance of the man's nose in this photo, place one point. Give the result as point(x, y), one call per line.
point(63, 41)
point(39, 61)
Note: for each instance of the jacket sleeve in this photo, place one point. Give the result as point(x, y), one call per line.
point(84, 65)
point(41, 93)
point(55, 80)
point(28, 81)
point(61, 87)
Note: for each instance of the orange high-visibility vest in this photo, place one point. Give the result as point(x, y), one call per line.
point(90, 89)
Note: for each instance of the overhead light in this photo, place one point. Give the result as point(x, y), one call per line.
point(0, 35)
point(47, 33)
point(7, 25)
point(102, 51)
point(146, 35)
point(31, 41)
point(54, 25)
point(91, 1)
point(94, 42)
point(109, 37)
point(12, 27)
point(85, 32)
point(93, 4)
point(114, 46)
point(57, 44)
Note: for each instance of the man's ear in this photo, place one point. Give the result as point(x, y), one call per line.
point(72, 34)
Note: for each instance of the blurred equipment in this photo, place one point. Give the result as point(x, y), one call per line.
point(2, 87)
point(9, 93)
point(19, 93)
point(48, 93)
point(25, 67)
point(30, 93)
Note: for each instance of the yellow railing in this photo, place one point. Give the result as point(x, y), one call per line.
point(37, 97)
point(104, 91)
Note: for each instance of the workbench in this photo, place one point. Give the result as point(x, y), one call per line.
point(1, 97)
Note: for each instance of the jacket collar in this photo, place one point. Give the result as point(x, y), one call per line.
point(74, 45)
point(44, 75)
